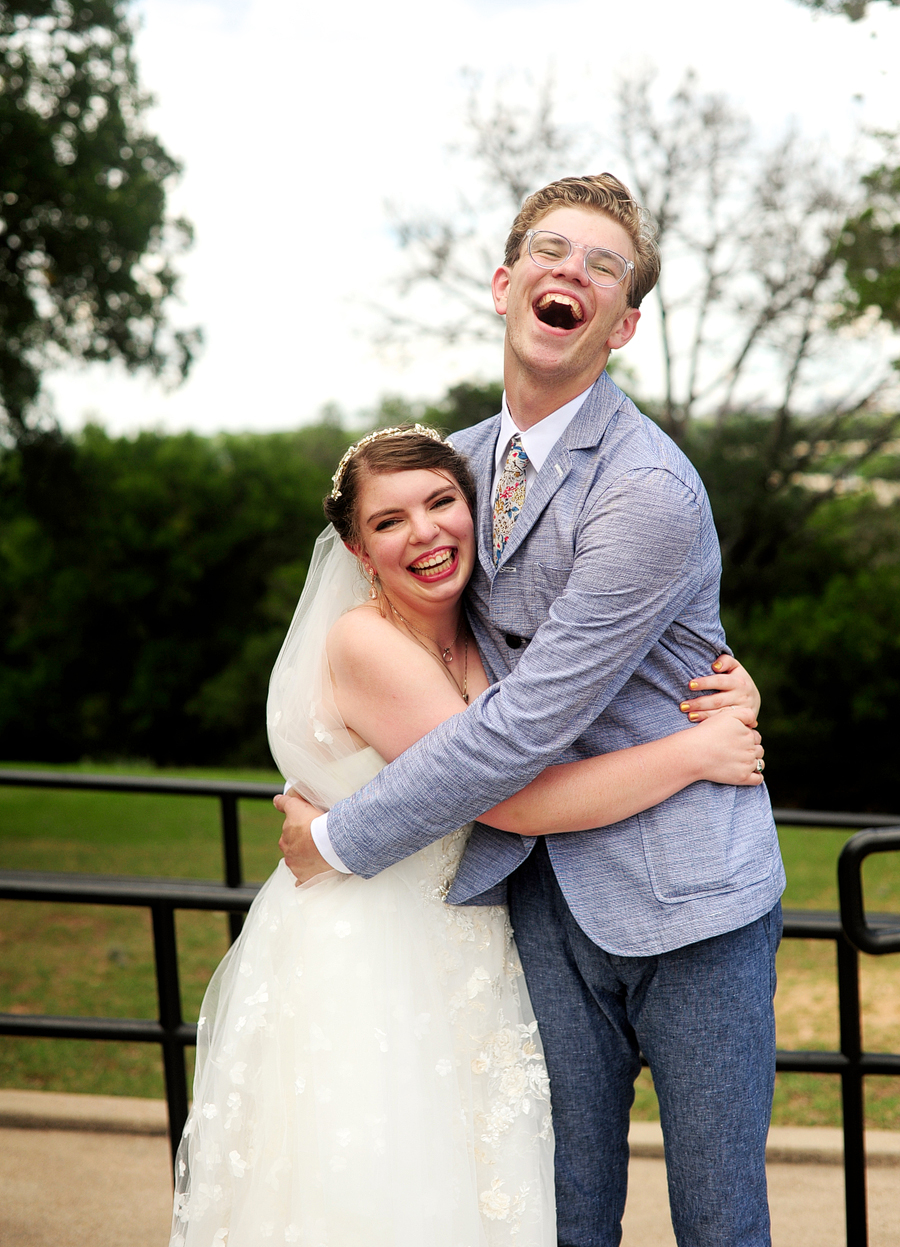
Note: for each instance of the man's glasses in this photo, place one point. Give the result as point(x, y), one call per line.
point(604, 268)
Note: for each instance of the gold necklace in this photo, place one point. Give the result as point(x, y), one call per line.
point(446, 657)
point(446, 654)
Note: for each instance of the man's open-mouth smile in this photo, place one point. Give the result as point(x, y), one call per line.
point(558, 310)
point(435, 564)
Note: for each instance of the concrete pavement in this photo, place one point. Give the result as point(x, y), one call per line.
point(93, 1171)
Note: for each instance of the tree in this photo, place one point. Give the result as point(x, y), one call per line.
point(768, 300)
point(146, 585)
point(854, 9)
point(86, 248)
point(776, 320)
point(462, 406)
point(869, 247)
point(754, 280)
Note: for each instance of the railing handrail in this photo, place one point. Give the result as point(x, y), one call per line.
point(26, 778)
point(139, 890)
point(864, 930)
point(825, 820)
point(876, 932)
point(164, 785)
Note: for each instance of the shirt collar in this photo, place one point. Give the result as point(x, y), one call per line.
point(539, 440)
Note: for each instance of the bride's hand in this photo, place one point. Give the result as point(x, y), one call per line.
point(296, 843)
point(735, 688)
point(729, 751)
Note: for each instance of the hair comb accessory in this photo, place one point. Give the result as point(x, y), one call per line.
point(397, 431)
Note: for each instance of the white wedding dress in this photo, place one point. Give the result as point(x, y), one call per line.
point(369, 1072)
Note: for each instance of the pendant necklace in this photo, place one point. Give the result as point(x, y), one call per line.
point(446, 656)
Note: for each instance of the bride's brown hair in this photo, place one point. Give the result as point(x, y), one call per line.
point(401, 449)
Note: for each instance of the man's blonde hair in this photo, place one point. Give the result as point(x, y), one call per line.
point(604, 193)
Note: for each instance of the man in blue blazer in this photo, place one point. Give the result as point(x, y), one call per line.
point(597, 602)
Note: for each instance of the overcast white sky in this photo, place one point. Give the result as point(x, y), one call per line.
point(297, 119)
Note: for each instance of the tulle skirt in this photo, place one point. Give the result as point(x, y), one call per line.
point(369, 1074)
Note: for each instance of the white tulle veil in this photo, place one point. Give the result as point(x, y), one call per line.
point(307, 735)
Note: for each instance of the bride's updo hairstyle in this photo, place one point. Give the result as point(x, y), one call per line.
point(405, 448)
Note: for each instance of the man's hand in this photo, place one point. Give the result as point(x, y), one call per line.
point(735, 688)
point(296, 842)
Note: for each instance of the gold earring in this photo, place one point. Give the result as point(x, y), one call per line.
point(371, 576)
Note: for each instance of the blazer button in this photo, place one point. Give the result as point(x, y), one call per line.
point(514, 642)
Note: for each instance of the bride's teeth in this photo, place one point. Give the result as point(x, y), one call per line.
point(435, 560)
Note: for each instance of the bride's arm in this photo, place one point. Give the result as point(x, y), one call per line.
point(392, 692)
point(576, 796)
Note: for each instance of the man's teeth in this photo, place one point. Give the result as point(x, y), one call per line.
point(561, 301)
point(432, 561)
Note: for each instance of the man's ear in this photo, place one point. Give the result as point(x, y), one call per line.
point(500, 290)
point(624, 330)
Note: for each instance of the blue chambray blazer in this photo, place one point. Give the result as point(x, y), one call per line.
point(604, 604)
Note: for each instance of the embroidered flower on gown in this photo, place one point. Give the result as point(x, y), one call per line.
point(369, 1072)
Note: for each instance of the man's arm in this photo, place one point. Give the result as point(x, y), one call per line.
point(637, 564)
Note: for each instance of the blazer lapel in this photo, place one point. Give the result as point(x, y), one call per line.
point(480, 454)
point(584, 432)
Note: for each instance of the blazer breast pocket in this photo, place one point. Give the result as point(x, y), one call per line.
point(542, 585)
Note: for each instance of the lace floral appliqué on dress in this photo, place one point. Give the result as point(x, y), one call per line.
point(369, 1072)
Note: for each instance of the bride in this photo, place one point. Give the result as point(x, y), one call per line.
point(369, 1072)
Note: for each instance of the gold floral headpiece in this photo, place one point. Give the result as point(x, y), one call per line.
point(398, 431)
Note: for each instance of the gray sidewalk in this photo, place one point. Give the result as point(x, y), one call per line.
point(93, 1171)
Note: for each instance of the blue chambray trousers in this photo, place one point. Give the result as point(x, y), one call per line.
point(703, 1017)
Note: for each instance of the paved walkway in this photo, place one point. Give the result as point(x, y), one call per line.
point(93, 1171)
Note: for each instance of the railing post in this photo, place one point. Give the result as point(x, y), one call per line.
point(169, 993)
point(852, 1097)
point(231, 849)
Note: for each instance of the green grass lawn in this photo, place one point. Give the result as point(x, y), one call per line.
point(98, 960)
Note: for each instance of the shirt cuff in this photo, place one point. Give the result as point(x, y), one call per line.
point(318, 829)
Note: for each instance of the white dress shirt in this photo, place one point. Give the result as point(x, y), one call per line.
point(537, 442)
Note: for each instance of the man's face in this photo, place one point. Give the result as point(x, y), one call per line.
point(546, 344)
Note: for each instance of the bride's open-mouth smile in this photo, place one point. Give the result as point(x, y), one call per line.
point(436, 564)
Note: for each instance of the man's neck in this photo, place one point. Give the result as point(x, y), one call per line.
point(529, 405)
point(531, 398)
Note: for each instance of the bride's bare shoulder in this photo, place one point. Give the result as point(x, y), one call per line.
point(357, 630)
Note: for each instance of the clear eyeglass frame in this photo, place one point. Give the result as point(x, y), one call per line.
point(627, 266)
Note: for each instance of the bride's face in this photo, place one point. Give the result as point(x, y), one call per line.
point(417, 533)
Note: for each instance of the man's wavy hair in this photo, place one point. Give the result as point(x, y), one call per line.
point(604, 193)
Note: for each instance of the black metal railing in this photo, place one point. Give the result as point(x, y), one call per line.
point(227, 792)
point(852, 930)
point(162, 897)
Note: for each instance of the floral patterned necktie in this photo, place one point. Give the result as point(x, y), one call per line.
point(510, 495)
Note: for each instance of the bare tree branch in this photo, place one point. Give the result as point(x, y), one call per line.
point(753, 290)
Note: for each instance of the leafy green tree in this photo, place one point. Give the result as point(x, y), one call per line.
point(854, 9)
point(869, 248)
point(811, 603)
point(146, 586)
point(463, 405)
point(86, 248)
